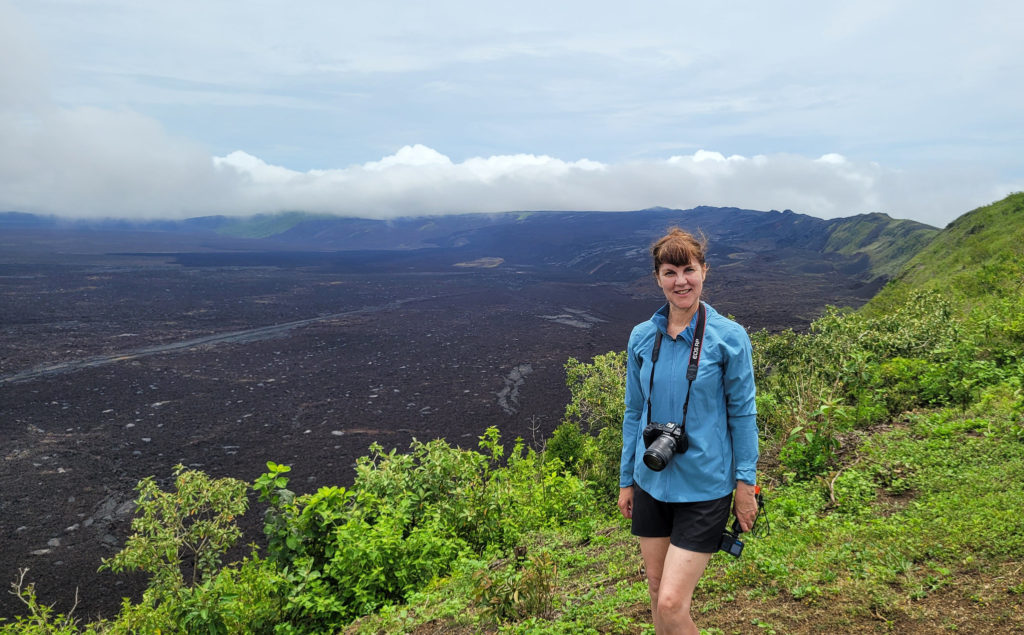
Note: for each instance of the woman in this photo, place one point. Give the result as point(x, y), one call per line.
point(680, 507)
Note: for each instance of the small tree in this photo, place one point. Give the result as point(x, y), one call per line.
point(590, 437)
point(186, 530)
point(598, 392)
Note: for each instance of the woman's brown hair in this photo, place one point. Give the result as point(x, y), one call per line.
point(679, 248)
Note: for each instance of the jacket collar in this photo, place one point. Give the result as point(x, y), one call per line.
point(660, 318)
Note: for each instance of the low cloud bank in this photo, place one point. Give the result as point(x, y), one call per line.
point(95, 163)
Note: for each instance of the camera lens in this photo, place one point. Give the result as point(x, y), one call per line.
point(659, 452)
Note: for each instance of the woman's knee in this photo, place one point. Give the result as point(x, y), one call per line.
point(670, 601)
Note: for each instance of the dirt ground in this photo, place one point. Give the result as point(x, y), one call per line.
point(112, 370)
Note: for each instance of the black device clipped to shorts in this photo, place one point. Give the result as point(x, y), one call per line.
point(730, 542)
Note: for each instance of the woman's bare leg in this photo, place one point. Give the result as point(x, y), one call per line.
point(653, 551)
point(679, 576)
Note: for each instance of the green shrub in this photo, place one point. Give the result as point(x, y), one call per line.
point(517, 590)
point(407, 519)
point(810, 451)
point(41, 619)
point(900, 381)
point(589, 440)
point(567, 444)
point(597, 392)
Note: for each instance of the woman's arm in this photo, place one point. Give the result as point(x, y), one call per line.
point(741, 407)
point(631, 420)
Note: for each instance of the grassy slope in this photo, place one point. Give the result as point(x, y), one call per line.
point(975, 257)
point(916, 558)
point(887, 242)
point(265, 225)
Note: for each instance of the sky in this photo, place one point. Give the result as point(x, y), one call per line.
point(143, 109)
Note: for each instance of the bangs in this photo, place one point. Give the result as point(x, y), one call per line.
point(676, 253)
point(679, 249)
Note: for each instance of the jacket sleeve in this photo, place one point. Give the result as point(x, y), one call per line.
point(741, 406)
point(631, 421)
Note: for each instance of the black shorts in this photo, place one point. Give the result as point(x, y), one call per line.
point(691, 526)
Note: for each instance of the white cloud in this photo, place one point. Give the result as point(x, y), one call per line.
point(24, 71)
point(257, 170)
point(414, 156)
point(833, 158)
point(91, 162)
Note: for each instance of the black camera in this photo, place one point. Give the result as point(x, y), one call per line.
point(662, 441)
point(731, 543)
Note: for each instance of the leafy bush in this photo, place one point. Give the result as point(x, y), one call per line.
point(41, 619)
point(187, 531)
point(598, 391)
point(517, 590)
point(809, 452)
point(568, 444)
point(900, 380)
point(407, 518)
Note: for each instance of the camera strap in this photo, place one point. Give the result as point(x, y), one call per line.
point(691, 369)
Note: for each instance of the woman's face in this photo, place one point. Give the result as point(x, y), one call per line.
point(682, 284)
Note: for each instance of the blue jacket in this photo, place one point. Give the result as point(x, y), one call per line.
point(721, 423)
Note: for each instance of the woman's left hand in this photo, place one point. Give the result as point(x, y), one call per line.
point(745, 505)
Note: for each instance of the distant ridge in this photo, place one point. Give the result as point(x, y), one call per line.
point(886, 243)
point(869, 247)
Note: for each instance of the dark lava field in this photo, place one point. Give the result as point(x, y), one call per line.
point(115, 368)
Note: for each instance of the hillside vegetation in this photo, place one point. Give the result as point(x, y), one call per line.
point(886, 243)
point(892, 451)
point(976, 260)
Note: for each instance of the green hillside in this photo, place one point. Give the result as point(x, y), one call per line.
point(979, 256)
point(886, 243)
point(265, 225)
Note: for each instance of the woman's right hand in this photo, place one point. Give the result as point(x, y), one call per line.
point(626, 501)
